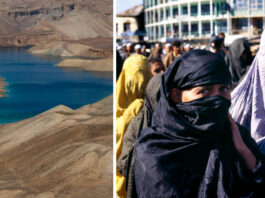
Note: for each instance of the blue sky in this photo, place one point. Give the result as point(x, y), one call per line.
point(122, 5)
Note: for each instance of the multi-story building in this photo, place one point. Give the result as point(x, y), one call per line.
point(198, 19)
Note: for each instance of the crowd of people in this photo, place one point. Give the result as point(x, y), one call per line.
point(169, 51)
point(191, 122)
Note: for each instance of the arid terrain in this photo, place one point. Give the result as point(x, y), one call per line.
point(59, 153)
point(74, 28)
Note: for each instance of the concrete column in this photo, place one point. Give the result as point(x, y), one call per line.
point(200, 28)
point(171, 29)
point(154, 16)
point(164, 13)
point(199, 8)
point(250, 26)
point(159, 31)
point(189, 23)
point(165, 30)
point(171, 12)
point(211, 13)
point(216, 27)
point(179, 15)
point(158, 14)
point(154, 29)
point(171, 25)
point(228, 20)
point(264, 15)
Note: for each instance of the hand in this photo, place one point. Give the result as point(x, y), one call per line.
point(240, 146)
point(238, 141)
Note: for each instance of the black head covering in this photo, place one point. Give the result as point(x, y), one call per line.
point(237, 66)
point(188, 150)
point(217, 41)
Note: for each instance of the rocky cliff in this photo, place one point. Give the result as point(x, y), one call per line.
point(32, 22)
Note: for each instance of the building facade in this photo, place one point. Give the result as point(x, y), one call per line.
point(130, 24)
point(198, 19)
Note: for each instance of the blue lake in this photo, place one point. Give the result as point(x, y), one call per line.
point(35, 84)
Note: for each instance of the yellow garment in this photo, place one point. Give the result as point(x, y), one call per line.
point(130, 90)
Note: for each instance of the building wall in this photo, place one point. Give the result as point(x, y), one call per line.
point(191, 19)
point(120, 21)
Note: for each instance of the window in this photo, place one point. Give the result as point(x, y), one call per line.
point(156, 31)
point(176, 28)
point(206, 28)
point(126, 27)
point(241, 4)
point(156, 15)
point(146, 18)
point(219, 8)
point(184, 10)
point(175, 11)
point(161, 14)
point(256, 4)
point(162, 33)
point(194, 27)
point(205, 9)
point(168, 12)
point(194, 10)
point(185, 28)
point(242, 24)
point(168, 30)
point(221, 25)
point(260, 23)
point(151, 33)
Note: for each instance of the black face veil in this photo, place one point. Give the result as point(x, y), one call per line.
point(188, 151)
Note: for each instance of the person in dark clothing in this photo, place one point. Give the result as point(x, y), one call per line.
point(215, 45)
point(239, 58)
point(119, 64)
point(193, 147)
point(221, 35)
point(156, 66)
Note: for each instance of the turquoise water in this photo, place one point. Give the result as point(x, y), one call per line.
point(35, 85)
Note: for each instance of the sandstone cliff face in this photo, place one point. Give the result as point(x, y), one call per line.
point(32, 22)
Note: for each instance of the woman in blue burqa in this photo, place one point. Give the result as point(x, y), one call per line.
point(193, 147)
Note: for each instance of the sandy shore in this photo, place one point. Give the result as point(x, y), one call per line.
point(59, 153)
point(82, 55)
point(105, 64)
point(2, 87)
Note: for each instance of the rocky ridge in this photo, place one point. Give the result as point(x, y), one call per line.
point(59, 153)
point(43, 24)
